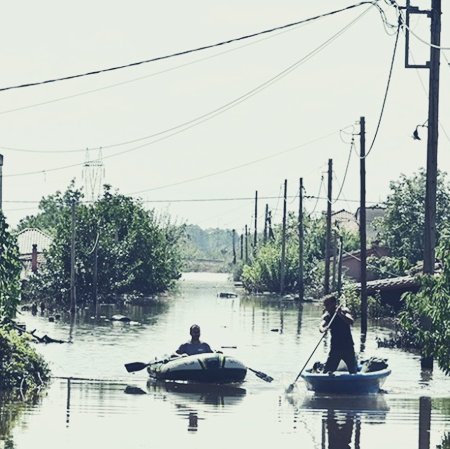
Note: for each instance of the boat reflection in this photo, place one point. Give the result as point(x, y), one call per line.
point(342, 416)
point(210, 394)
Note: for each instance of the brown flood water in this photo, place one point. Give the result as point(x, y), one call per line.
point(125, 411)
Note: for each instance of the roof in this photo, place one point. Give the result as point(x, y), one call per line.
point(409, 283)
point(32, 236)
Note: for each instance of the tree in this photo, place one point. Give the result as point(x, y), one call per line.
point(263, 272)
point(138, 252)
point(431, 305)
point(9, 271)
point(401, 228)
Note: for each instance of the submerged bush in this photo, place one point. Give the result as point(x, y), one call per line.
point(20, 365)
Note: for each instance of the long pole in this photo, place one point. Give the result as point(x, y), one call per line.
point(255, 235)
point(73, 298)
point(326, 284)
point(362, 225)
point(234, 246)
point(339, 279)
point(1, 182)
point(301, 285)
point(432, 142)
point(246, 244)
point(283, 241)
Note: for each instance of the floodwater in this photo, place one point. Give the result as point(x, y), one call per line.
point(115, 409)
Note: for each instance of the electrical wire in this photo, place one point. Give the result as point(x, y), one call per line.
point(208, 116)
point(110, 86)
point(185, 52)
point(229, 169)
point(429, 44)
point(345, 173)
point(387, 89)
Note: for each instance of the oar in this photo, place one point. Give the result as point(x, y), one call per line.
point(261, 375)
point(138, 366)
point(292, 385)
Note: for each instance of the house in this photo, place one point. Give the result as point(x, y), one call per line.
point(32, 243)
point(351, 262)
point(392, 289)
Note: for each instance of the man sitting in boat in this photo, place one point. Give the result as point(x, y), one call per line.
point(194, 346)
point(339, 320)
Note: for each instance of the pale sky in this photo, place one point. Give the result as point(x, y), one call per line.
point(286, 130)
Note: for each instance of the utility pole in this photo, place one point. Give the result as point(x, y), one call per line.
point(326, 285)
point(339, 280)
point(301, 285)
point(242, 246)
point(266, 217)
point(246, 244)
point(362, 224)
point(95, 275)
point(432, 141)
point(1, 182)
point(333, 275)
point(433, 66)
point(234, 246)
point(283, 241)
point(255, 236)
point(73, 299)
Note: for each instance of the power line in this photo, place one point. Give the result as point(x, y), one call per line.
point(387, 88)
point(110, 86)
point(185, 52)
point(209, 115)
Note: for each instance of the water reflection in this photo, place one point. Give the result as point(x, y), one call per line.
point(211, 394)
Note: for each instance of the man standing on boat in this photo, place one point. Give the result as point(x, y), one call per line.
point(339, 320)
point(194, 346)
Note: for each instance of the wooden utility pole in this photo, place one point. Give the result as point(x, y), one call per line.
point(266, 217)
point(333, 272)
point(432, 141)
point(95, 274)
point(283, 241)
point(326, 284)
point(234, 246)
point(255, 235)
point(1, 182)
point(362, 224)
point(246, 244)
point(242, 246)
point(300, 282)
point(73, 299)
point(339, 279)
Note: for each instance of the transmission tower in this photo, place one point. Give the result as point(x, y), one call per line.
point(93, 175)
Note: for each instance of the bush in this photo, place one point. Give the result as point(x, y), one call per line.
point(20, 365)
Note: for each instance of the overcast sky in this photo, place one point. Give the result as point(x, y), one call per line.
point(264, 109)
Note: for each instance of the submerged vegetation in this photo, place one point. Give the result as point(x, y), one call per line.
point(20, 366)
point(121, 248)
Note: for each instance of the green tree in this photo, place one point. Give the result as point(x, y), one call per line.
point(9, 271)
point(138, 253)
point(425, 319)
point(262, 273)
point(402, 226)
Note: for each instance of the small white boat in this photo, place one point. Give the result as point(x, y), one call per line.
point(212, 368)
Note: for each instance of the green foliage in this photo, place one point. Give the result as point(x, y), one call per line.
point(262, 273)
point(351, 297)
point(401, 227)
point(9, 271)
point(20, 365)
point(388, 267)
point(137, 253)
point(425, 319)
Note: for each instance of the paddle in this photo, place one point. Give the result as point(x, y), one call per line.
point(261, 375)
point(138, 366)
point(292, 385)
